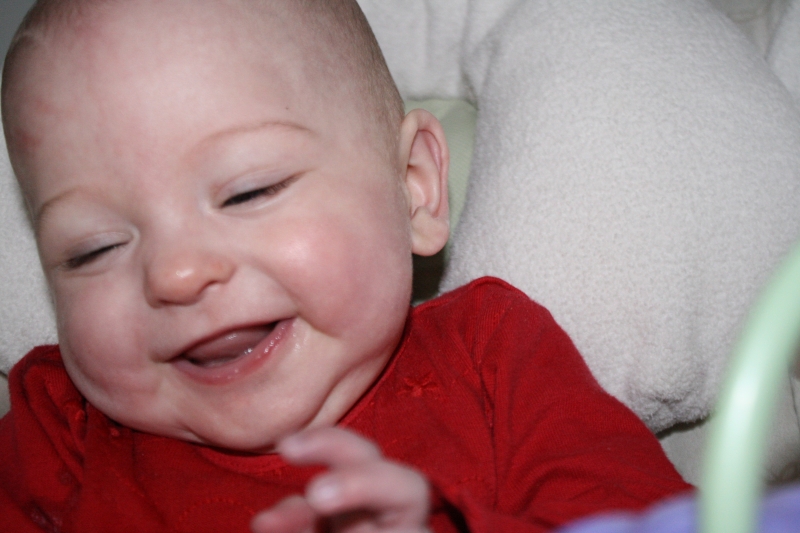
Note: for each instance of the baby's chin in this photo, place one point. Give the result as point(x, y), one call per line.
point(241, 444)
point(209, 429)
point(242, 439)
point(236, 450)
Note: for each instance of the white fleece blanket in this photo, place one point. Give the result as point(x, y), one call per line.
point(26, 316)
point(636, 170)
point(784, 52)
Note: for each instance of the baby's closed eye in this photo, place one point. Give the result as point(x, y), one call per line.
point(247, 196)
point(82, 259)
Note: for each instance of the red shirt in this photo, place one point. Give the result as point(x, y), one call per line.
point(486, 395)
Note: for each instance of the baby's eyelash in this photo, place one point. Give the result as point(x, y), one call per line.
point(245, 197)
point(84, 259)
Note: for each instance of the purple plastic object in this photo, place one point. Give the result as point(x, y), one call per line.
point(780, 513)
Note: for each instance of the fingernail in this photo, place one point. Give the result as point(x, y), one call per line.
point(324, 493)
point(291, 444)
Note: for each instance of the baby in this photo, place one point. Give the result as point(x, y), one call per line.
point(226, 197)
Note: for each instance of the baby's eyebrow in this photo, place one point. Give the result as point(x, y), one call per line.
point(252, 128)
point(223, 144)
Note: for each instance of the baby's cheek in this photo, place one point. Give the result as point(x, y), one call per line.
point(97, 333)
point(321, 270)
point(355, 272)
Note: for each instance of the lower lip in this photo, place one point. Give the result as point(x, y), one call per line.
point(239, 367)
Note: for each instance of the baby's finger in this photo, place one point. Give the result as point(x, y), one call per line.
point(292, 515)
point(330, 446)
point(397, 496)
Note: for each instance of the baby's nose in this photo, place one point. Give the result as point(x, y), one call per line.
point(182, 276)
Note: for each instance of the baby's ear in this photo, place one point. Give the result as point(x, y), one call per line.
point(424, 153)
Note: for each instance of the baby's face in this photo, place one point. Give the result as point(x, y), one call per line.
point(229, 249)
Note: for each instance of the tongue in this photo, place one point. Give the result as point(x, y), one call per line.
point(228, 346)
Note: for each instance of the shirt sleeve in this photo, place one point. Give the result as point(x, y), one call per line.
point(563, 447)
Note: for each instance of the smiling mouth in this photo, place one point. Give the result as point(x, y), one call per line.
point(228, 347)
point(232, 355)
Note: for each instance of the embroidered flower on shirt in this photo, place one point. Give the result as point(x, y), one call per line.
point(418, 387)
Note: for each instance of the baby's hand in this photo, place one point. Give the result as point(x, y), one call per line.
point(362, 490)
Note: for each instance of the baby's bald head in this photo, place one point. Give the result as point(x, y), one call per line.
point(340, 48)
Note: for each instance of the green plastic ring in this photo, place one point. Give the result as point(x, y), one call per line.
point(731, 487)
